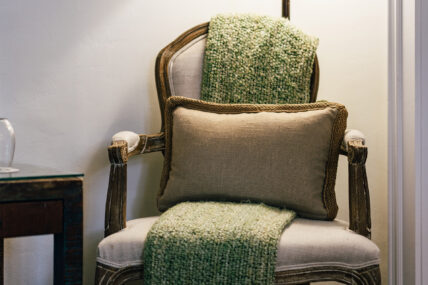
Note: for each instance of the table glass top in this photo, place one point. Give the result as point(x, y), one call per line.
point(27, 171)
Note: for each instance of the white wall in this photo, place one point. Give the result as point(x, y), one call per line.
point(353, 63)
point(72, 73)
point(408, 89)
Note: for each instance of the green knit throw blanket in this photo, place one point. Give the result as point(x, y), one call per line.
point(214, 243)
point(257, 59)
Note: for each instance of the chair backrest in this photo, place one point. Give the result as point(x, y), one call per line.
point(179, 67)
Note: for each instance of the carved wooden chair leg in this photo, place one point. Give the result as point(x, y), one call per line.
point(371, 276)
point(102, 275)
point(107, 275)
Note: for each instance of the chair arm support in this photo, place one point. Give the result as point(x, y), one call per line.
point(123, 146)
point(359, 198)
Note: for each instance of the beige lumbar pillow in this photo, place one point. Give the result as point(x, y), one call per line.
point(282, 155)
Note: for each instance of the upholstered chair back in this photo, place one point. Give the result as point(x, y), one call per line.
point(185, 69)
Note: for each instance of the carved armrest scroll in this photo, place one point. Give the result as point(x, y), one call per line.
point(351, 135)
point(126, 144)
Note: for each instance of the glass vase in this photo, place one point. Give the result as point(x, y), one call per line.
point(7, 146)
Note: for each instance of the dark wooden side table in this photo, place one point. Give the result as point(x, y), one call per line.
point(37, 201)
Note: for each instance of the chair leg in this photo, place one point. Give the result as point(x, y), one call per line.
point(102, 275)
point(107, 275)
point(372, 276)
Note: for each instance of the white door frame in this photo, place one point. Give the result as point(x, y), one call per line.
point(408, 138)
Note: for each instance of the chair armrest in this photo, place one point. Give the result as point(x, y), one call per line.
point(359, 197)
point(123, 146)
point(126, 144)
point(351, 135)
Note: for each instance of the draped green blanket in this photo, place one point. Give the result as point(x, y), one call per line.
point(248, 59)
point(257, 59)
point(214, 243)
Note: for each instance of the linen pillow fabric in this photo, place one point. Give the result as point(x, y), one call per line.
point(282, 155)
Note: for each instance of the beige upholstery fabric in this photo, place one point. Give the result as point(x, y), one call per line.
point(185, 69)
point(125, 247)
point(275, 157)
point(304, 244)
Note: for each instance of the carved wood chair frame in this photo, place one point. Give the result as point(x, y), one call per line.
point(115, 214)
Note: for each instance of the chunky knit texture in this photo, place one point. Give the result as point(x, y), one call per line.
point(248, 59)
point(257, 59)
point(214, 243)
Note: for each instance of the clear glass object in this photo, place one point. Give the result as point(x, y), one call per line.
point(7, 146)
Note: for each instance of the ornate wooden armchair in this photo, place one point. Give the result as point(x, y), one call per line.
point(309, 250)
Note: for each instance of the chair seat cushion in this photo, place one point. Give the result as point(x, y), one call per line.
point(305, 243)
